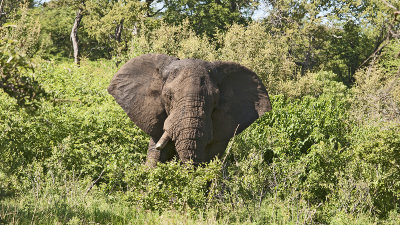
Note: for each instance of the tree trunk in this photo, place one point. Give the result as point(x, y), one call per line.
point(1, 11)
point(233, 7)
point(74, 35)
point(118, 30)
point(148, 3)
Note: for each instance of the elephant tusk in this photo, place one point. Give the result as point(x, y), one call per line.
point(163, 141)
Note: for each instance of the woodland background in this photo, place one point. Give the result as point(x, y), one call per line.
point(328, 152)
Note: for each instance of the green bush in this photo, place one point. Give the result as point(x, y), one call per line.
point(294, 151)
point(56, 24)
point(25, 29)
point(80, 129)
point(82, 132)
point(179, 40)
point(377, 89)
point(293, 126)
point(171, 185)
point(250, 46)
point(314, 84)
point(16, 77)
point(370, 180)
point(307, 151)
point(311, 150)
point(253, 47)
point(325, 154)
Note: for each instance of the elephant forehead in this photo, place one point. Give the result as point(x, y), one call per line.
point(191, 66)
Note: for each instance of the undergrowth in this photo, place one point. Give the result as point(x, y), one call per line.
point(78, 159)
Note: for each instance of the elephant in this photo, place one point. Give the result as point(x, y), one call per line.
point(190, 108)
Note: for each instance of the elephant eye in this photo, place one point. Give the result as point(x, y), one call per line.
point(169, 97)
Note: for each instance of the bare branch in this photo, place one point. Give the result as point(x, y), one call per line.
point(156, 12)
point(389, 5)
point(389, 35)
point(94, 182)
point(396, 14)
point(1, 9)
point(375, 53)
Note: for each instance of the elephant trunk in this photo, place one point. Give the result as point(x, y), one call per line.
point(189, 144)
point(192, 128)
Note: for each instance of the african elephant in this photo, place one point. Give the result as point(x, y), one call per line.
point(190, 108)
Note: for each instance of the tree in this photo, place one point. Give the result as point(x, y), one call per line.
point(112, 23)
point(335, 35)
point(8, 8)
point(18, 42)
point(14, 78)
point(390, 29)
point(80, 11)
point(206, 17)
point(74, 32)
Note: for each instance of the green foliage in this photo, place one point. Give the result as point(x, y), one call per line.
point(305, 122)
point(68, 201)
point(15, 79)
point(206, 17)
point(8, 9)
point(56, 23)
point(179, 40)
point(314, 84)
point(255, 48)
point(104, 18)
point(250, 46)
point(82, 129)
point(390, 59)
point(328, 35)
point(82, 161)
point(302, 139)
point(171, 185)
point(377, 90)
point(350, 47)
point(25, 30)
point(370, 180)
point(325, 154)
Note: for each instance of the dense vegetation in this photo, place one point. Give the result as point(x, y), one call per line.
point(328, 152)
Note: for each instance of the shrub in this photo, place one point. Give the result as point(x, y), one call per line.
point(171, 185)
point(294, 151)
point(370, 181)
point(253, 47)
point(16, 77)
point(314, 84)
point(81, 129)
point(179, 40)
point(376, 94)
point(25, 29)
point(250, 46)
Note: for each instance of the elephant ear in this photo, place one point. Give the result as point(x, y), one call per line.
point(242, 99)
point(137, 89)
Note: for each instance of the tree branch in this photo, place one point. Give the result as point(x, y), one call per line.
point(1, 6)
point(1, 9)
point(94, 182)
point(389, 35)
point(389, 5)
point(381, 46)
point(156, 12)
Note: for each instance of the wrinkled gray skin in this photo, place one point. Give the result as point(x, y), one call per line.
point(190, 107)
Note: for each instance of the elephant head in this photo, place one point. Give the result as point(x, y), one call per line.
point(190, 108)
